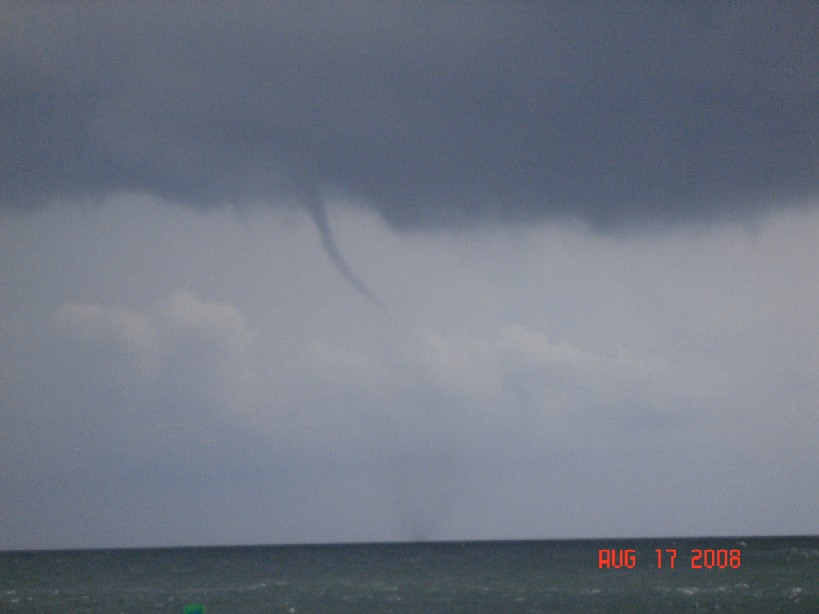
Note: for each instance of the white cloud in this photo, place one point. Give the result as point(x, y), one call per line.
point(525, 382)
point(210, 342)
point(133, 334)
point(181, 342)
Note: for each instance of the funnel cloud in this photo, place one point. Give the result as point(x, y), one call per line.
point(318, 213)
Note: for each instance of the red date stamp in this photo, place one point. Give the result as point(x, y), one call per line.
point(700, 558)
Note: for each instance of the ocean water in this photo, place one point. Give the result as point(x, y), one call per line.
point(767, 575)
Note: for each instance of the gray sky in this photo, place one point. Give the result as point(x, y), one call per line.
point(367, 272)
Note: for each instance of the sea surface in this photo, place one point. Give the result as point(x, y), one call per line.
point(768, 575)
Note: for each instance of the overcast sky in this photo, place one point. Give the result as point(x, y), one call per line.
point(371, 271)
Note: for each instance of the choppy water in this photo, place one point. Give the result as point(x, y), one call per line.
point(774, 574)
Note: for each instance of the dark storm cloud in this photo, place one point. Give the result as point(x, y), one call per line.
point(433, 114)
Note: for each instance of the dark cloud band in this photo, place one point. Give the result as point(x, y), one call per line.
point(611, 113)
